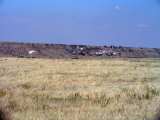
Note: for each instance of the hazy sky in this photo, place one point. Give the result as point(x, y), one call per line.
point(118, 22)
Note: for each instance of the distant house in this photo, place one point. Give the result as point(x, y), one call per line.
point(31, 52)
point(99, 53)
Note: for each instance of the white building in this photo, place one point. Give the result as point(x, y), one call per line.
point(32, 52)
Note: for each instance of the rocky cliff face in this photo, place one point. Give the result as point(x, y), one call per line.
point(29, 50)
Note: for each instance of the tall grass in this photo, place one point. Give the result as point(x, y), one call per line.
point(4, 114)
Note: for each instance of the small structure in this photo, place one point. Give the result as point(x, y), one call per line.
point(31, 52)
point(99, 53)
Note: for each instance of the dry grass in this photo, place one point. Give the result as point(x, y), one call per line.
point(113, 89)
point(4, 114)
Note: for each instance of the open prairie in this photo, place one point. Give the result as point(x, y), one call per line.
point(61, 89)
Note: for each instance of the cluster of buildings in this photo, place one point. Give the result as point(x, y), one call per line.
point(94, 51)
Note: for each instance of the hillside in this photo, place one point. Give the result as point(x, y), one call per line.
point(35, 50)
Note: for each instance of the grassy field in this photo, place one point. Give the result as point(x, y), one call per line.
point(112, 89)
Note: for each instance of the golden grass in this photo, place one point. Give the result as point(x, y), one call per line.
point(112, 89)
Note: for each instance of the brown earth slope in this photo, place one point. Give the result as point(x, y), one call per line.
point(35, 50)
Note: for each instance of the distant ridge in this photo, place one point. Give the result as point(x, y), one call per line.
point(58, 51)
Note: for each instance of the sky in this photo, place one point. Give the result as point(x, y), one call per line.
point(133, 23)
